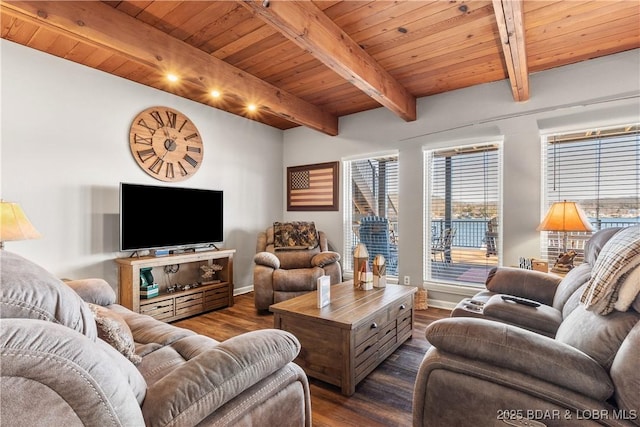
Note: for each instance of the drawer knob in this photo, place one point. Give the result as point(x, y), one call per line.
point(374, 325)
point(402, 307)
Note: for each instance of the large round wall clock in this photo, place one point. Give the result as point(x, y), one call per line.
point(166, 144)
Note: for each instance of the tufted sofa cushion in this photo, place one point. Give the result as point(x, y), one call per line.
point(29, 291)
point(598, 336)
point(625, 372)
point(50, 374)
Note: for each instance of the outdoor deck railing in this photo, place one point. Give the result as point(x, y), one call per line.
point(470, 233)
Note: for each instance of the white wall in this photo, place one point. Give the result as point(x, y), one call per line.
point(599, 92)
point(65, 149)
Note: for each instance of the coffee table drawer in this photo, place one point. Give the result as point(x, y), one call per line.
point(398, 308)
point(370, 327)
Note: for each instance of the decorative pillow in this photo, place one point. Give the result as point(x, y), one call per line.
point(325, 258)
point(629, 290)
point(294, 235)
point(618, 256)
point(114, 330)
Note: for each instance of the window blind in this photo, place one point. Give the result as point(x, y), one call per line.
point(462, 206)
point(371, 194)
point(600, 170)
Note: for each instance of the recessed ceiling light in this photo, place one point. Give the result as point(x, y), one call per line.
point(252, 107)
point(172, 77)
point(215, 93)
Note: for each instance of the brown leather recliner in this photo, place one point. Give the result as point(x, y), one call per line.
point(484, 371)
point(555, 297)
point(281, 274)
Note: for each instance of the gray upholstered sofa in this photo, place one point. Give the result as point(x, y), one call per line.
point(70, 356)
point(581, 367)
point(281, 272)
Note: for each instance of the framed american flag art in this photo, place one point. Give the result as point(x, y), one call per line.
point(313, 187)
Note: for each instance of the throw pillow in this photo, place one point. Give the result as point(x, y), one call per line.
point(618, 256)
point(114, 330)
point(629, 290)
point(294, 235)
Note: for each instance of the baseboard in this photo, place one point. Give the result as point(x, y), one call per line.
point(446, 305)
point(243, 290)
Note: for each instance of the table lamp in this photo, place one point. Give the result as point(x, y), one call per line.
point(14, 224)
point(564, 217)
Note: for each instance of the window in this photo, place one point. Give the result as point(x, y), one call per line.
point(371, 202)
point(462, 220)
point(600, 170)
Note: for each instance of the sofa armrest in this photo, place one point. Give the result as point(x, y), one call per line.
point(531, 284)
point(94, 291)
point(542, 318)
point(194, 390)
point(325, 258)
point(267, 259)
point(77, 382)
point(522, 351)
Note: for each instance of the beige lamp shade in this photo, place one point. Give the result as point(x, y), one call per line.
point(14, 224)
point(565, 216)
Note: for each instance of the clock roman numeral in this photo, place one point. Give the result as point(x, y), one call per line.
point(169, 173)
point(193, 135)
point(194, 149)
point(171, 119)
point(190, 160)
point(141, 122)
point(146, 154)
point(156, 166)
point(182, 125)
point(183, 171)
point(141, 140)
point(158, 118)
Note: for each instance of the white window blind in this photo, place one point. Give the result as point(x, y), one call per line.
point(371, 206)
point(600, 170)
point(462, 223)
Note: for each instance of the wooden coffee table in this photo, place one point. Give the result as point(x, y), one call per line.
point(346, 340)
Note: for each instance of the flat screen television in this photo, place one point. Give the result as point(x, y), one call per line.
point(156, 217)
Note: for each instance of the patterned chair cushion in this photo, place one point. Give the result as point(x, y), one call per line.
point(294, 235)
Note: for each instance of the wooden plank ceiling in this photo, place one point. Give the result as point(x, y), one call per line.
point(310, 62)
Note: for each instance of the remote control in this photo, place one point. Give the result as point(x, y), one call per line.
point(520, 301)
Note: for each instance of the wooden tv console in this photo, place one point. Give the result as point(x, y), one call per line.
point(180, 304)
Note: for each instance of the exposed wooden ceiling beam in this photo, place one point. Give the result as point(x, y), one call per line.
point(101, 25)
point(511, 26)
point(307, 26)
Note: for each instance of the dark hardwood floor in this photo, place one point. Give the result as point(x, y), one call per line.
point(381, 399)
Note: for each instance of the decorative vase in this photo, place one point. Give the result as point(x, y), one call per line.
point(360, 258)
point(379, 272)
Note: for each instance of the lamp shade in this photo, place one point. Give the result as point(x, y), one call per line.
point(14, 224)
point(565, 216)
